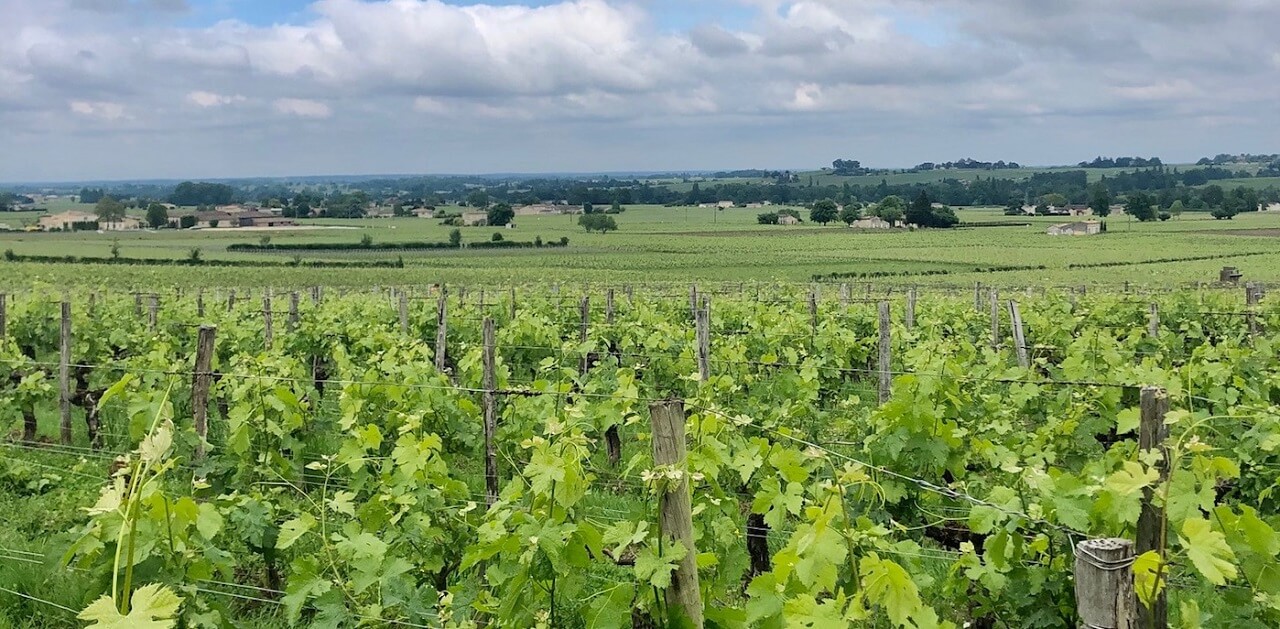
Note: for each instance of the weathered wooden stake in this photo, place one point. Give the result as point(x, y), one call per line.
point(693, 301)
point(64, 373)
point(608, 306)
point(200, 304)
point(200, 386)
point(1152, 432)
point(911, 308)
point(268, 337)
point(1019, 336)
point(404, 313)
point(137, 305)
point(1153, 320)
point(675, 519)
point(977, 296)
point(702, 333)
point(631, 296)
point(1104, 584)
point(231, 300)
point(844, 297)
point(442, 325)
point(490, 403)
point(153, 315)
point(813, 311)
point(995, 319)
point(4, 316)
point(294, 317)
point(886, 376)
point(513, 303)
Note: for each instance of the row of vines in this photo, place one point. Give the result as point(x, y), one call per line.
point(343, 480)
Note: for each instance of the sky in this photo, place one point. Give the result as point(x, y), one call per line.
point(189, 89)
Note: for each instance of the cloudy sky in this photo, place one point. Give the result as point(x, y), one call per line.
point(115, 89)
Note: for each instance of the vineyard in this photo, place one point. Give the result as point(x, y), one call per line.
point(758, 456)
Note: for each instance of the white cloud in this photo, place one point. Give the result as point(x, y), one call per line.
point(97, 109)
point(302, 108)
point(207, 100)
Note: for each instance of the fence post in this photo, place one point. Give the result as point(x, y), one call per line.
point(608, 306)
point(844, 297)
point(4, 316)
point(977, 296)
point(293, 310)
point(442, 327)
point(995, 319)
point(137, 304)
point(584, 327)
point(631, 295)
point(64, 373)
point(1153, 320)
point(693, 300)
point(513, 303)
point(911, 308)
point(231, 300)
point(200, 386)
point(1019, 337)
point(1104, 584)
point(702, 334)
point(200, 304)
point(1152, 432)
point(315, 295)
point(490, 402)
point(268, 337)
point(675, 519)
point(1252, 296)
point(404, 313)
point(813, 311)
point(153, 315)
point(886, 376)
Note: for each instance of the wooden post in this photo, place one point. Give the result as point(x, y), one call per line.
point(231, 300)
point(1251, 299)
point(584, 327)
point(315, 295)
point(1104, 584)
point(813, 311)
point(153, 316)
point(404, 314)
point(490, 403)
point(631, 296)
point(693, 300)
point(513, 303)
point(137, 305)
point(911, 308)
point(675, 518)
point(200, 386)
point(1019, 337)
point(702, 333)
point(294, 317)
point(442, 327)
point(844, 297)
point(200, 304)
point(1152, 432)
point(995, 319)
point(608, 306)
point(268, 338)
point(977, 296)
point(886, 376)
point(64, 373)
point(4, 316)
point(1153, 320)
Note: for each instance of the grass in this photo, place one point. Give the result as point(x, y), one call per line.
point(676, 245)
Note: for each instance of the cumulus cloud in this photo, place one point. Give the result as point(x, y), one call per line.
point(302, 108)
point(805, 80)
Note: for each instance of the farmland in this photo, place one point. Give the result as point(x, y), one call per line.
point(676, 244)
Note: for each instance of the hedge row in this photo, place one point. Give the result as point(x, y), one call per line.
point(10, 256)
point(1220, 256)
point(874, 274)
point(391, 246)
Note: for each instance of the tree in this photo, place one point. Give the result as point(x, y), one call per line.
point(1054, 199)
point(500, 214)
point(1177, 208)
point(1222, 212)
point(1213, 195)
point(157, 216)
point(893, 204)
point(109, 210)
point(478, 198)
point(850, 213)
point(588, 208)
point(824, 211)
point(455, 238)
point(1140, 206)
point(921, 210)
point(768, 218)
point(945, 217)
point(1014, 208)
point(1100, 199)
point(893, 214)
point(602, 223)
point(616, 208)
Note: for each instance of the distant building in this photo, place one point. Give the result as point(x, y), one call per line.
point(787, 219)
point(540, 209)
point(475, 219)
point(871, 222)
point(1082, 228)
point(67, 221)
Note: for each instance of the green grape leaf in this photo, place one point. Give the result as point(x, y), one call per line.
point(655, 569)
point(1208, 551)
point(294, 529)
point(152, 607)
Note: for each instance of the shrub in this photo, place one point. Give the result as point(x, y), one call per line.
point(497, 237)
point(768, 218)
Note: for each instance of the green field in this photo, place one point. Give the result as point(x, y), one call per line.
point(676, 245)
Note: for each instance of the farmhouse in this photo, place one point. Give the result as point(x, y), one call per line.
point(262, 219)
point(71, 220)
point(539, 209)
point(1082, 228)
point(475, 219)
point(871, 222)
point(787, 219)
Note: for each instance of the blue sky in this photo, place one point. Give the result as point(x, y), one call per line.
point(120, 89)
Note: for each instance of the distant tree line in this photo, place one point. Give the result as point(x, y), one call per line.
point(1122, 162)
point(966, 164)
